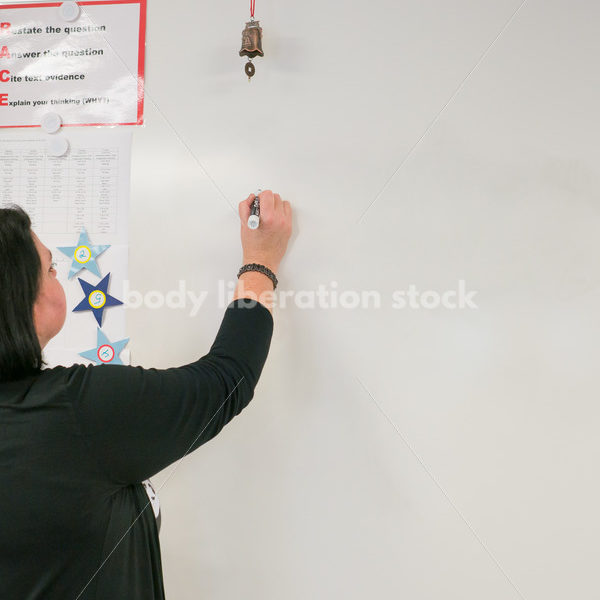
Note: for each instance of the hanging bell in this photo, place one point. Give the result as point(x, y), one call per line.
point(251, 45)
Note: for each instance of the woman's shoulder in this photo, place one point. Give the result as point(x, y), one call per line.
point(60, 373)
point(75, 377)
point(39, 388)
point(80, 380)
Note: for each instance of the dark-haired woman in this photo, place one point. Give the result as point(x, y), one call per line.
point(76, 443)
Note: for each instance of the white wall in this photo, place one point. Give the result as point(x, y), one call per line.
point(388, 453)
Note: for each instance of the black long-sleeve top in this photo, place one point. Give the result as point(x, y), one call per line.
point(76, 444)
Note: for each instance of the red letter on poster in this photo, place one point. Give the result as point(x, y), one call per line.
point(4, 53)
point(4, 75)
point(3, 99)
point(4, 27)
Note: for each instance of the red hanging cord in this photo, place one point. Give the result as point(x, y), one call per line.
point(252, 4)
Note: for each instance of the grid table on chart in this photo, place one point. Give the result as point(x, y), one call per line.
point(62, 194)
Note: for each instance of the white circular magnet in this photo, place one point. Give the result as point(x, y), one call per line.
point(69, 10)
point(51, 122)
point(57, 146)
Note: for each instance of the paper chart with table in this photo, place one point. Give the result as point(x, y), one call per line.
point(88, 188)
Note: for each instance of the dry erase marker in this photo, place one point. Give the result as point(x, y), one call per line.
point(254, 218)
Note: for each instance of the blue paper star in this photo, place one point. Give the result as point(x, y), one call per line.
point(83, 255)
point(96, 298)
point(105, 351)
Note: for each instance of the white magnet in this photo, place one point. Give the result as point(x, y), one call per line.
point(58, 146)
point(69, 10)
point(51, 122)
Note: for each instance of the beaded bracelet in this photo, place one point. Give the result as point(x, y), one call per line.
point(261, 269)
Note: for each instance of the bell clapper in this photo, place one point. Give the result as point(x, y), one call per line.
point(249, 68)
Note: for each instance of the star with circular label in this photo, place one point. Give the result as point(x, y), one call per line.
point(96, 298)
point(83, 255)
point(105, 352)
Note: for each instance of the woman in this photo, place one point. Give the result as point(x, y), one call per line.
point(76, 443)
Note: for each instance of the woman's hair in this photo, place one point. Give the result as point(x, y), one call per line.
point(20, 269)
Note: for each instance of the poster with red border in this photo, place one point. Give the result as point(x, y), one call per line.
point(88, 70)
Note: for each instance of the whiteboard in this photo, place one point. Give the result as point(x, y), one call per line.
point(389, 452)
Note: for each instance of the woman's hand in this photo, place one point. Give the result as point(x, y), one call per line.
point(267, 244)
